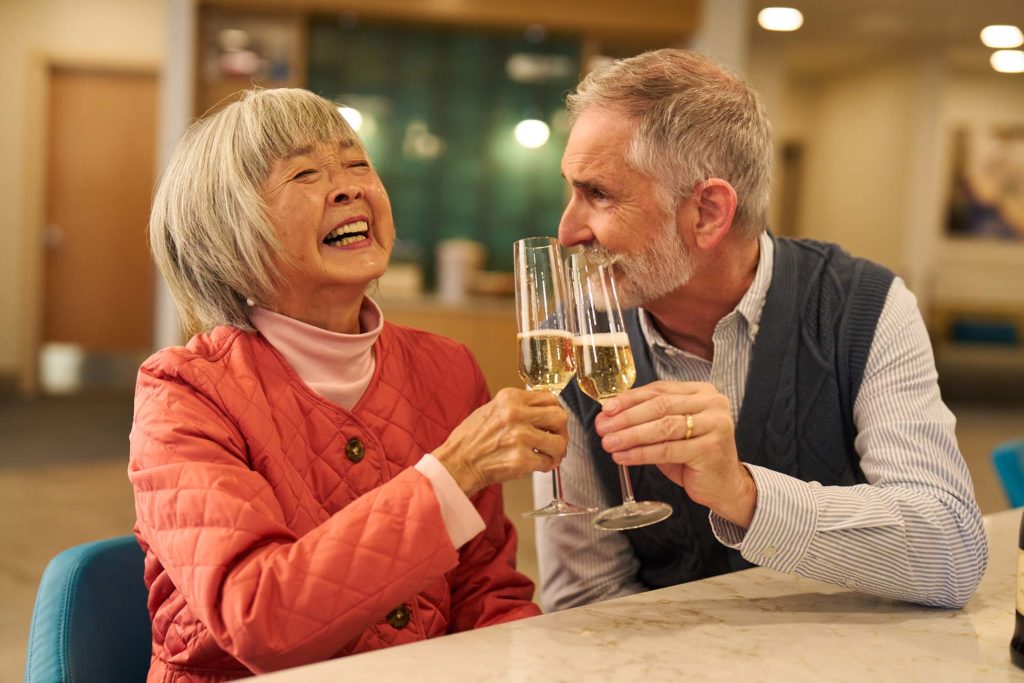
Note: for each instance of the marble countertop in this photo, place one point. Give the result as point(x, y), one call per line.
point(754, 625)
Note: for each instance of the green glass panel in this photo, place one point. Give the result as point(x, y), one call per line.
point(439, 110)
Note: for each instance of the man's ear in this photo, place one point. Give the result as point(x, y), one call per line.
point(715, 201)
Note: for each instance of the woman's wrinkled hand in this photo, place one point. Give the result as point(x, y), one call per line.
point(518, 432)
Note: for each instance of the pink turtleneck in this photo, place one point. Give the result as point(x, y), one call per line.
point(336, 366)
point(339, 367)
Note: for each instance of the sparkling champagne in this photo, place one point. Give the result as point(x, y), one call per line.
point(604, 364)
point(546, 361)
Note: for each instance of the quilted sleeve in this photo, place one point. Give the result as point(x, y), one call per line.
point(486, 587)
point(269, 598)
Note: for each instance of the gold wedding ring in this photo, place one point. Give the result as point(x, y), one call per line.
point(689, 427)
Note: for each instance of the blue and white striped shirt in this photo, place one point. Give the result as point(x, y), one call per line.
point(913, 532)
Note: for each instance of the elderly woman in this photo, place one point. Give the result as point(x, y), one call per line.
point(311, 481)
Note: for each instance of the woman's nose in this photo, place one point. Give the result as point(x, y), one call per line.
point(345, 190)
point(345, 196)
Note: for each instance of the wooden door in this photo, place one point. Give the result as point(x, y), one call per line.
point(98, 275)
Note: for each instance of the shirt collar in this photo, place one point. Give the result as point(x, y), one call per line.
point(752, 303)
point(749, 307)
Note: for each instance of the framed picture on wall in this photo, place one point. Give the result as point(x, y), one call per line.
point(987, 193)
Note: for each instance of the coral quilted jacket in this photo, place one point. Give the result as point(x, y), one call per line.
point(271, 543)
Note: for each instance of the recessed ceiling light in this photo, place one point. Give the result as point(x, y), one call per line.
point(780, 19)
point(1002, 36)
point(1007, 61)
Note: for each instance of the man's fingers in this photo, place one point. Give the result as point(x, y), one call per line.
point(658, 406)
point(661, 430)
point(632, 397)
point(659, 393)
point(656, 454)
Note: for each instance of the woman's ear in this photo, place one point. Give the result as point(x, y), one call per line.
point(715, 201)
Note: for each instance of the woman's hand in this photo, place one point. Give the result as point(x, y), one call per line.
point(686, 429)
point(518, 432)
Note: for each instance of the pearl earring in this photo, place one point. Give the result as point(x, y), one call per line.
point(249, 301)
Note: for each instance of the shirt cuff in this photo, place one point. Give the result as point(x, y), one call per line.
point(783, 525)
point(460, 516)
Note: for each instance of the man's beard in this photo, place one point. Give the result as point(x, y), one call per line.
point(645, 276)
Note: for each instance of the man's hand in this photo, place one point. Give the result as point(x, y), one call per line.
point(648, 425)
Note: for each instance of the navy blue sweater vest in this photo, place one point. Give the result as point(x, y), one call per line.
point(814, 336)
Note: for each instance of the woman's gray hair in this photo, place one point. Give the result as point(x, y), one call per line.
point(694, 121)
point(209, 229)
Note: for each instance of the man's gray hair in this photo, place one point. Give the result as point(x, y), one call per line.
point(694, 121)
point(209, 229)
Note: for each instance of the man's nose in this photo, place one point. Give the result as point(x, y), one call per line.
point(573, 228)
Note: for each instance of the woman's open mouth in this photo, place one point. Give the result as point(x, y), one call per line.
point(350, 233)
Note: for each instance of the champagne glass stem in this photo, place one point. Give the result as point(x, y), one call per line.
point(556, 484)
point(626, 485)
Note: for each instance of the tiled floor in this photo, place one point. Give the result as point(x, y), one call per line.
point(49, 501)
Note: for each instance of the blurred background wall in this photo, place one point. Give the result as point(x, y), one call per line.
point(36, 37)
point(868, 100)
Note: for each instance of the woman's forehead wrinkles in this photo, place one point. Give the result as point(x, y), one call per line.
point(323, 148)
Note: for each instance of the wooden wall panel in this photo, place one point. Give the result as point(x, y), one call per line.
point(662, 22)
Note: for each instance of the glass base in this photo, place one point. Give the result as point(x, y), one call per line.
point(633, 515)
point(559, 508)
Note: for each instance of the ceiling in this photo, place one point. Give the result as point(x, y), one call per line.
point(840, 34)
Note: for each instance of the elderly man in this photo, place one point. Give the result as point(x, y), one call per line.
point(786, 402)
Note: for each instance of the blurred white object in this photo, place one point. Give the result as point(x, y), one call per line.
point(532, 133)
point(1002, 36)
point(458, 262)
point(526, 67)
point(1008, 61)
point(494, 283)
point(353, 116)
point(401, 280)
point(60, 368)
point(233, 40)
point(780, 19)
point(242, 63)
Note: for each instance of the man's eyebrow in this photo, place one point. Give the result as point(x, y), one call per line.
point(586, 185)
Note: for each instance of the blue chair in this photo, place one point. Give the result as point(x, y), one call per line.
point(90, 621)
point(1008, 460)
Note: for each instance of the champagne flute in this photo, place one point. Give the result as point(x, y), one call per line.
point(543, 317)
point(604, 368)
